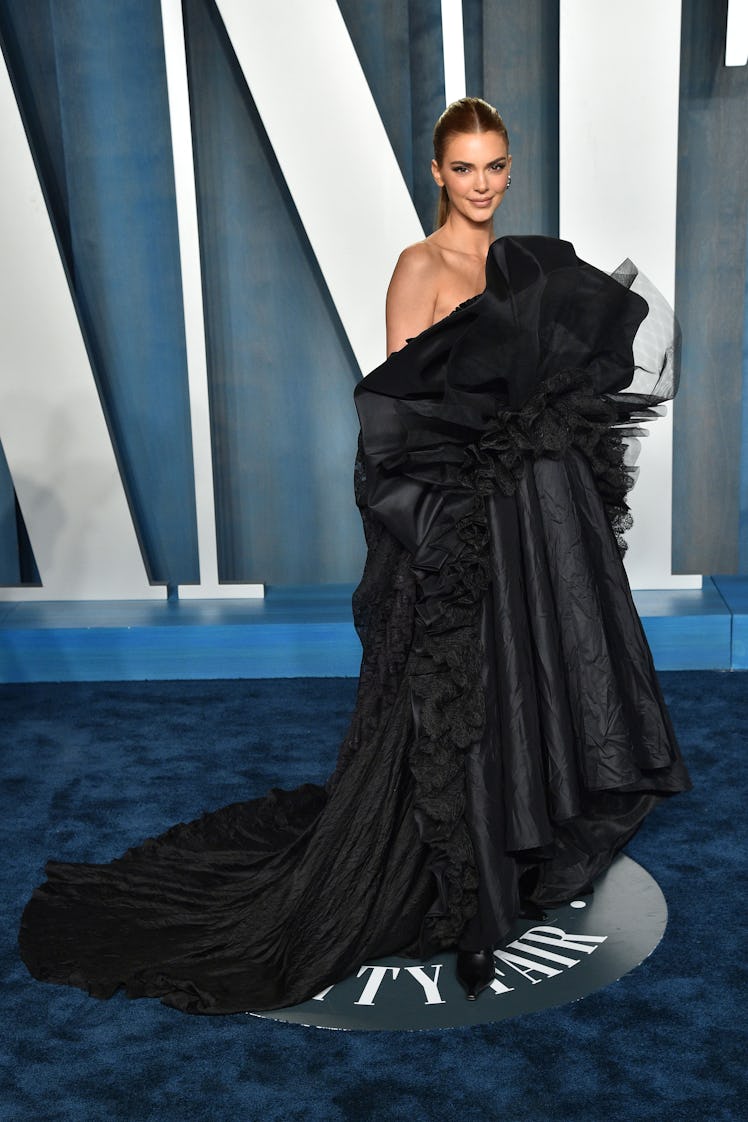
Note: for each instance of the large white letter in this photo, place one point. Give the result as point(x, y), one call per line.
point(430, 985)
point(371, 988)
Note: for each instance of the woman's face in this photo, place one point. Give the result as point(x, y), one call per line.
point(474, 170)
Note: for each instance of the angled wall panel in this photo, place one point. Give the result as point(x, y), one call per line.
point(280, 370)
point(52, 427)
point(399, 46)
point(333, 152)
point(91, 84)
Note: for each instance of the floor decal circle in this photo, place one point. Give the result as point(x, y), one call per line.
point(579, 948)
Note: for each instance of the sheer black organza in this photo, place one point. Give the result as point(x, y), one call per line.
point(509, 734)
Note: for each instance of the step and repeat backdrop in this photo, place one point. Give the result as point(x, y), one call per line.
point(200, 208)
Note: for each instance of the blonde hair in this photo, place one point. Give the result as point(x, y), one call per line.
point(469, 114)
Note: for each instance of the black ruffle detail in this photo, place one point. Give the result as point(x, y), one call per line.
point(566, 412)
point(449, 715)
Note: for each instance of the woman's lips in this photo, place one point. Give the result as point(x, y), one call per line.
point(480, 202)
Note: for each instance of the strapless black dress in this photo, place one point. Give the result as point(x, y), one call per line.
point(509, 734)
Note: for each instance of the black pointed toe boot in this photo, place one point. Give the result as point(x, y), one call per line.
point(475, 971)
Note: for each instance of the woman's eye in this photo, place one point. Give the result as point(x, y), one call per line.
point(460, 169)
point(497, 167)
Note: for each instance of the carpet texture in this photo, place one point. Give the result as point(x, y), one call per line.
point(88, 769)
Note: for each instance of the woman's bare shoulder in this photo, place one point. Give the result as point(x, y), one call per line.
point(412, 293)
point(418, 273)
point(418, 260)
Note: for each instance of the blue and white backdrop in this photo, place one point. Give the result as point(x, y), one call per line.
point(200, 207)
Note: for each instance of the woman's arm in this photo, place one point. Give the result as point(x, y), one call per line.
point(411, 296)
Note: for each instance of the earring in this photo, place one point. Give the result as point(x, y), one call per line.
point(509, 181)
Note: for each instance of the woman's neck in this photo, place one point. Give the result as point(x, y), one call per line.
point(463, 236)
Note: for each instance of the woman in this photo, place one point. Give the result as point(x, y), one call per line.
point(509, 735)
point(471, 167)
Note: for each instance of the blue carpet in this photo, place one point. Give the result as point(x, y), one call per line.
point(90, 768)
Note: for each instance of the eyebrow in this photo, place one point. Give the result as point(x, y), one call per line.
point(467, 164)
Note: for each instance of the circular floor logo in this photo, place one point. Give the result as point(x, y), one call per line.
point(578, 949)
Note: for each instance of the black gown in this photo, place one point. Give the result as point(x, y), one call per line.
point(509, 734)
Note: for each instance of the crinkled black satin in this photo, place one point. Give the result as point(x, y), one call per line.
point(508, 720)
